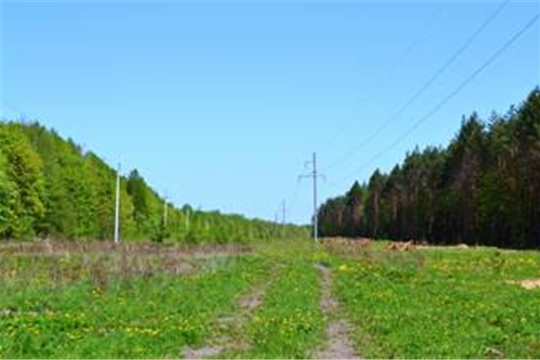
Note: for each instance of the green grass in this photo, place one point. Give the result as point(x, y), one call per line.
point(138, 317)
point(441, 303)
point(141, 302)
point(289, 324)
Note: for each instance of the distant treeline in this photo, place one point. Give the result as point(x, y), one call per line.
point(483, 188)
point(50, 187)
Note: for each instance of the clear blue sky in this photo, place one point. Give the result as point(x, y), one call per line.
point(219, 104)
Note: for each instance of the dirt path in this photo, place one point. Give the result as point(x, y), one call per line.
point(338, 344)
point(230, 325)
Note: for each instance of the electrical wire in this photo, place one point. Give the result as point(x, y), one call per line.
point(390, 69)
point(446, 99)
point(423, 88)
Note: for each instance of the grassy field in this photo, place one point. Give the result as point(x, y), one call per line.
point(435, 303)
point(95, 300)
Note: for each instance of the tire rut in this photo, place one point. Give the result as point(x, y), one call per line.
point(338, 344)
point(231, 324)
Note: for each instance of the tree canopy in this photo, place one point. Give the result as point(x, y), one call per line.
point(483, 188)
point(50, 187)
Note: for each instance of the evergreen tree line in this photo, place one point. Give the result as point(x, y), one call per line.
point(483, 188)
point(50, 187)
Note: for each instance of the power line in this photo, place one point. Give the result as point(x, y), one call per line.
point(390, 69)
point(165, 210)
point(446, 99)
point(117, 208)
point(315, 175)
point(284, 213)
point(294, 196)
point(426, 85)
point(423, 88)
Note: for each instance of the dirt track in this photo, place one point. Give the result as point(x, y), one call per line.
point(338, 344)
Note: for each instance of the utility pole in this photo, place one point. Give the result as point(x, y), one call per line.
point(315, 176)
point(117, 209)
point(315, 203)
point(187, 214)
point(163, 235)
point(284, 217)
point(165, 211)
point(276, 223)
point(283, 213)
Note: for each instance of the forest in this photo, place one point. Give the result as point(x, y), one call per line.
point(51, 188)
point(481, 189)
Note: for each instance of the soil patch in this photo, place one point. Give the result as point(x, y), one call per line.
point(527, 284)
point(337, 333)
point(253, 300)
point(228, 325)
point(202, 352)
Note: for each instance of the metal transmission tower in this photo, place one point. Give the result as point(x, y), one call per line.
point(117, 209)
point(315, 176)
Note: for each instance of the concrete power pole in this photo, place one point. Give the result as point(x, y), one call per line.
point(315, 203)
point(276, 224)
point(283, 218)
point(165, 217)
point(315, 176)
point(283, 213)
point(117, 209)
point(165, 210)
point(187, 214)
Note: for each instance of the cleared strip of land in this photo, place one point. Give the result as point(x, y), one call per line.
point(295, 299)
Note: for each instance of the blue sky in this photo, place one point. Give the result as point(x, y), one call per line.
point(219, 104)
